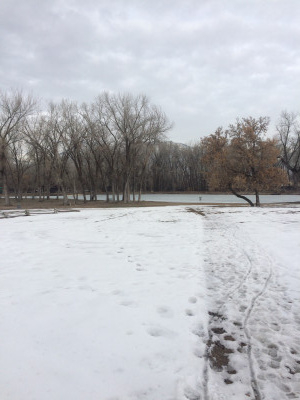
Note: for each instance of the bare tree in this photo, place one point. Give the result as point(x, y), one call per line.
point(18, 164)
point(35, 136)
point(53, 126)
point(14, 109)
point(73, 138)
point(288, 130)
point(176, 167)
point(104, 142)
point(137, 122)
point(106, 145)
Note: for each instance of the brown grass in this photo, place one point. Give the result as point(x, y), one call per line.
point(58, 203)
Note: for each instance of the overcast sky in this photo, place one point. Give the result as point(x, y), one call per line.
point(205, 62)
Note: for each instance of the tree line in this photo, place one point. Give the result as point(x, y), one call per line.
point(117, 144)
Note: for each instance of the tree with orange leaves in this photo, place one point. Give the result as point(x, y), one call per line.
point(242, 159)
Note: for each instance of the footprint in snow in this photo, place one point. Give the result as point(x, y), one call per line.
point(165, 312)
point(193, 300)
point(160, 332)
point(273, 350)
point(139, 268)
point(189, 312)
point(275, 327)
point(128, 303)
point(117, 292)
point(192, 394)
point(199, 331)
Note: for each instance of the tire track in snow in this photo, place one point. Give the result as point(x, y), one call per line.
point(254, 382)
point(243, 280)
point(233, 294)
point(264, 312)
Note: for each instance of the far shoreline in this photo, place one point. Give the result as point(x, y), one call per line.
point(30, 204)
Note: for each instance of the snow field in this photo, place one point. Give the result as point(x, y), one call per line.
point(174, 303)
point(101, 304)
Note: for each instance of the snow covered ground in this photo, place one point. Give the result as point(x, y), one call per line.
point(172, 303)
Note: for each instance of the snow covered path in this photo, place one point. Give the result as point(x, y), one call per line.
point(253, 272)
point(168, 303)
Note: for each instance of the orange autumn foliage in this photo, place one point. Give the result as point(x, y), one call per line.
point(242, 158)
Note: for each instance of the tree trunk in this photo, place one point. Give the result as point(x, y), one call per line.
point(65, 196)
point(75, 196)
point(6, 191)
point(257, 201)
point(20, 195)
point(126, 197)
point(83, 191)
point(3, 175)
point(113, 192)
point(241, 196)
point(48, 193)
point(39, 190)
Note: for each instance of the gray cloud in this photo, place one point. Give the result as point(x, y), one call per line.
point(204, 62)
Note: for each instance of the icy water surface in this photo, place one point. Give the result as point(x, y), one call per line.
point(213, 198)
